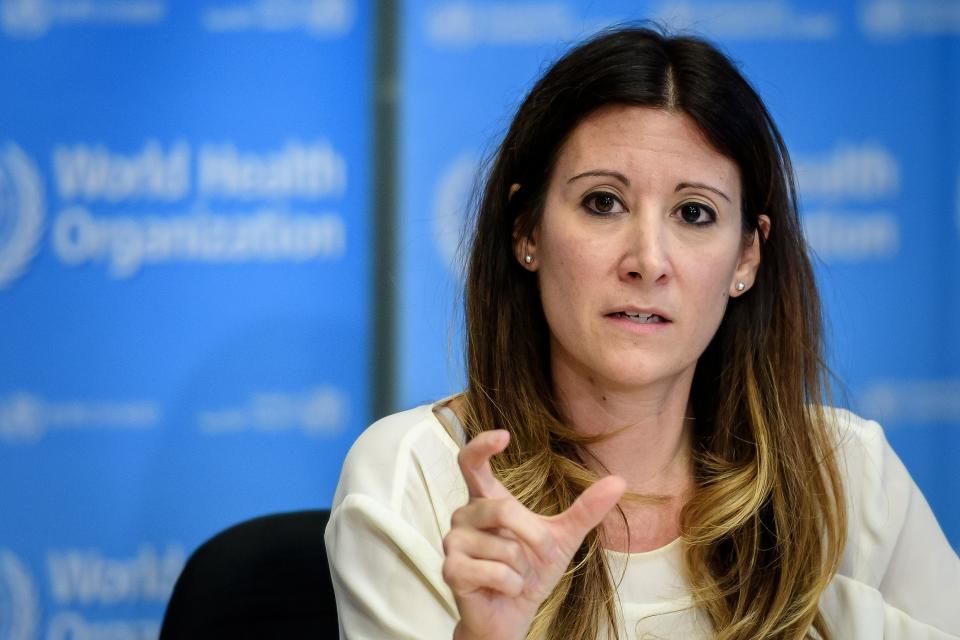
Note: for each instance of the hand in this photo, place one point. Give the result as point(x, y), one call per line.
point(503, 560)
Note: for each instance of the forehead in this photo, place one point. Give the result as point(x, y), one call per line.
point(645, 143)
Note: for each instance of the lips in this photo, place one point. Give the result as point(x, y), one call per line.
point(640, 315)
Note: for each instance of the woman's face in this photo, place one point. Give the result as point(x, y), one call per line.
point(639, 248)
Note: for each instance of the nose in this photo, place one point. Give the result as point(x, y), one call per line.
point(644, 254)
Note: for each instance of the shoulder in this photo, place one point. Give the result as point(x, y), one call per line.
point(870, 466)
point(877, 485)
point(386, 445)
point(404, 464)
point(864, 456)
point(853, 433)
point(878, 492)
point(399, 486)
point(896, 555)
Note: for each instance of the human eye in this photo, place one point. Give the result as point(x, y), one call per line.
point(602, 203)
point(697, 214)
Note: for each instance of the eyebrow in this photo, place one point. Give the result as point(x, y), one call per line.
point(700, 185)
point(622, 178)
point(601, 173)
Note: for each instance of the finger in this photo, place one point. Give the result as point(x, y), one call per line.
point(482, 545)
point(507, 518)
point(466, 575)
point(474, 461)
point(590, 508)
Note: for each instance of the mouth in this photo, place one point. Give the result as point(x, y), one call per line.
point(639, 317)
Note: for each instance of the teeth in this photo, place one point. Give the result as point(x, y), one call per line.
point(643, 318)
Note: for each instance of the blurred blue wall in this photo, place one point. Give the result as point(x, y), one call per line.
point(187, 231)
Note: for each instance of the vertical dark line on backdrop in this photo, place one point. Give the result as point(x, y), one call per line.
point(384, 268)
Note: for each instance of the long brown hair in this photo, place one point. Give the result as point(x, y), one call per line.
point(764, 530)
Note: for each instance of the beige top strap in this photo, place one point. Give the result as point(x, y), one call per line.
point(450, 422)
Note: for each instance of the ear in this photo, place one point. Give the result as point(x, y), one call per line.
point(749, 263)
point(525, 247)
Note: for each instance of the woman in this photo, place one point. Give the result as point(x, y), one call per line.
point(641, 451)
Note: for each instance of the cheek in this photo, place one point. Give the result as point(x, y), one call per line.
point(560, 286)
point(568, 272)
point(567, 251)
point(709, 277)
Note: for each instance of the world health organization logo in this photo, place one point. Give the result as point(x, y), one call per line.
point(19, 608)
point(21, 212)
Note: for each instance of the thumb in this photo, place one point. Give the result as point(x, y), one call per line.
point(589, 509)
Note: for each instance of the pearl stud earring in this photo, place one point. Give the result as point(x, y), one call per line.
point(741, 286)
point(528, 258)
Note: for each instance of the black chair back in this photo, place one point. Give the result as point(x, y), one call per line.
point(263, 578)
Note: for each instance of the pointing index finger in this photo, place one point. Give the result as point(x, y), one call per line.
point(474, 461)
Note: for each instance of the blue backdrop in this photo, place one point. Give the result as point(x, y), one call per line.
point(184, 257)
point(186, 223)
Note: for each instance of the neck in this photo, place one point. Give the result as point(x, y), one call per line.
point(647, 429)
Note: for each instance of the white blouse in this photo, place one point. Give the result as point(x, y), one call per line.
point(899, 578)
